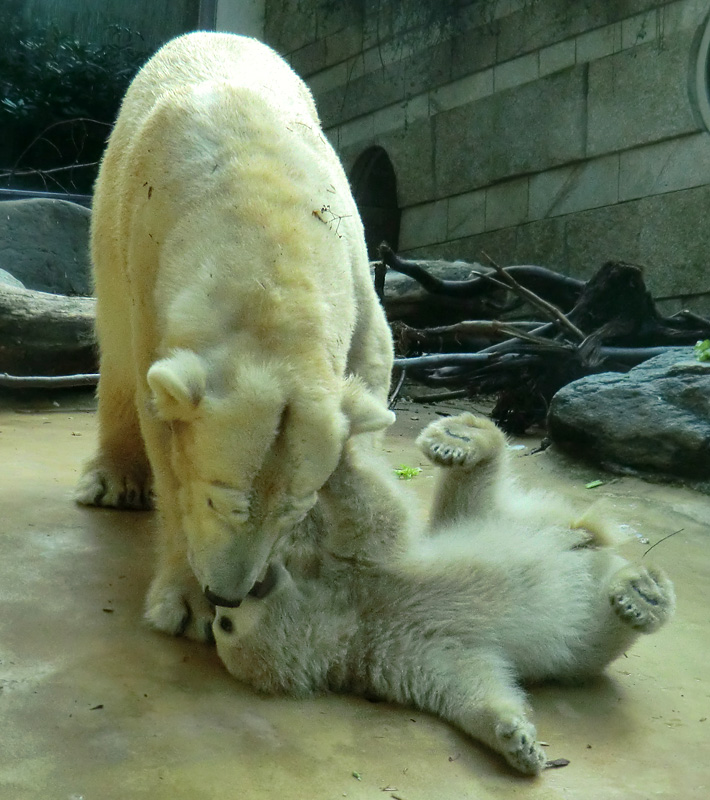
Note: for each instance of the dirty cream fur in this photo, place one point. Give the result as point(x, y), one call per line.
point(241, 340)
point(505, 587)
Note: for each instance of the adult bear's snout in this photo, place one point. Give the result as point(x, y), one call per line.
point(217, 600)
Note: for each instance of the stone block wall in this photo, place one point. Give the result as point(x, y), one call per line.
point(538, 131)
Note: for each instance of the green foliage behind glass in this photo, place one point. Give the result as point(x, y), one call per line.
point(46, 78)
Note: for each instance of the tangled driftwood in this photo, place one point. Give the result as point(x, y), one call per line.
point(609, 323)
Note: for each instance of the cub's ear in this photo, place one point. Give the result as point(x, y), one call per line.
point(364, 411)
point(178, 385)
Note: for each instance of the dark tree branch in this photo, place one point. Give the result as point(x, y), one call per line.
point(613, 324)
point(563, 289)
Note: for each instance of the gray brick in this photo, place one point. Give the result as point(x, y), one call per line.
point(363, 95)
point(497, 244)
point(541, 24)
point(516, 72)
point(640, 95)
point(388, 119)
point(507, 204)
point(557, 57)
point(464, 90)
point(343, 44)
point(391, 83)
point(589, 184)
point(378, 23)
point(467, 214)
point(309, 59)
point(423, 225)
point(622, 9)
point(333, 17)
point(639, 29)
point(684, 15)
point(328, 79)
point(527, 129)
point(667, 235)
point(665, 167)
point(417, 108)
point(604, 234)
point(598, 43)
point(675, 241)
point(288, 26)
point(535, 243)
point(361, 129)
point(472, 51)
point(411, 152)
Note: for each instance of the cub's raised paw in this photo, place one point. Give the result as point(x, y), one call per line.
point(462, 441)
point(180, 608)
point(642, 597)
point(110, 487)
point(516, 741)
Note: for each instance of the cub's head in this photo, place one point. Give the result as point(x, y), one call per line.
point(249, 449)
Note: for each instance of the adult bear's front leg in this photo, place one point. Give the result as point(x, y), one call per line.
point(175, 603)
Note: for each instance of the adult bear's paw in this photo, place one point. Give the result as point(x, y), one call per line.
point(179, 608)
point(110, 486)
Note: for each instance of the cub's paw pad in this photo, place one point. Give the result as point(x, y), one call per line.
point(107, 488)
point(180, 611)
point(643, 598)
point(516, 741)
point(462, 441)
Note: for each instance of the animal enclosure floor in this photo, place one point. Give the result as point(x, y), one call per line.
point(95, 705)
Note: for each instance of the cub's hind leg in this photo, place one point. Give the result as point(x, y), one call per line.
point(472, 453)
point(642, 597)
point(630, 600)
point(476, 691)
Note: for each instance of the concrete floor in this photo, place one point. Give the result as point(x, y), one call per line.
point(95, 705)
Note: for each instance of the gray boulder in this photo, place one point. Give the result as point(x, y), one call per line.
point(44, 244)
point(655, 418)
point(10, 280)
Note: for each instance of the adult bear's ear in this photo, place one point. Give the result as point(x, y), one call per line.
point(178, 385)
point(364, 411)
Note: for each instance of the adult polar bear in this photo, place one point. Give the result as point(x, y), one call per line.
point(241, 339)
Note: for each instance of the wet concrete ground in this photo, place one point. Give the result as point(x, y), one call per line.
point(97, 706)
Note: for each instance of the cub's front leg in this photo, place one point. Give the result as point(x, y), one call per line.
point(472, 453)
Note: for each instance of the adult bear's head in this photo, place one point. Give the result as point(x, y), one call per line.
point(251, 444)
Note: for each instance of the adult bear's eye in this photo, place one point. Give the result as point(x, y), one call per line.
point(210, 503)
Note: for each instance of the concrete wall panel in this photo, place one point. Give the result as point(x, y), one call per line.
point(531, 128)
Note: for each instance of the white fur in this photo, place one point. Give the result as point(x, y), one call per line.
point(505, 588)
point(241, 339)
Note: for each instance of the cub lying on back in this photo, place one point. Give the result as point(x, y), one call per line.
point(504, 590)
point(234, 306)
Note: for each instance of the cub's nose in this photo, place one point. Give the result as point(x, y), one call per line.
point(216, 600)
point(226, 624)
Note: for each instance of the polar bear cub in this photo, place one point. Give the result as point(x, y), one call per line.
point(241, 339)
point(504, 589)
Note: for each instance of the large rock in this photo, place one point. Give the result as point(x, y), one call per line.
point(44, 244)
point(655, 418)
point(45, 334)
